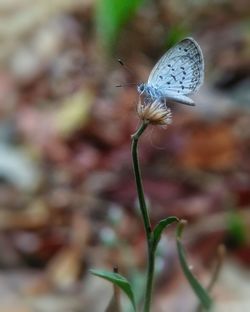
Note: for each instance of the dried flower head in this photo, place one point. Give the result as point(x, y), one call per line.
point(155, 112)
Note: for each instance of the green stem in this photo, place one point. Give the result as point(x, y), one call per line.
point(150, 278)
point(145, 216)
point(138, 180)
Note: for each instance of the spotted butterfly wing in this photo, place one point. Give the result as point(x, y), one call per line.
point(179, 72)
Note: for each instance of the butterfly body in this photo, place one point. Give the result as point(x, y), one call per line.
point(148, 90)
point(178, 73)
point(151, 94)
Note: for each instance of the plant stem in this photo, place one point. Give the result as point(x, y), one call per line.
point(145, 216)
point(138, 180)
point(150, 278)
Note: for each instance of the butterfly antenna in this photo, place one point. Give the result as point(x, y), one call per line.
point(124, 66)
point(129, 71)
point(126, 84)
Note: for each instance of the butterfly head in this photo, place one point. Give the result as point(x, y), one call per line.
point(141, 88)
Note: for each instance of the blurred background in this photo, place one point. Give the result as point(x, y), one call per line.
point(67, 194)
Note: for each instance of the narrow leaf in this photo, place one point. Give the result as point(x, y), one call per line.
point(236, 228)
point(160, 227)
point(118, 280)
point(200, 292)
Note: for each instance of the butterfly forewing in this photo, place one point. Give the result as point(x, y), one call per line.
point(180, 70)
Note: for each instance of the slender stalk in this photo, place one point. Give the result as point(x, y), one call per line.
point(145, 216)
point(150, 279)
point(138, 180)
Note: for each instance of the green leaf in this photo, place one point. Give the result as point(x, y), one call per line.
point(236, 228)
point(111, 15)
point(160, 227)
point(118, 280)
point(200, 292)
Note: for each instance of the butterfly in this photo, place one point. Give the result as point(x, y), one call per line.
point(178, 73)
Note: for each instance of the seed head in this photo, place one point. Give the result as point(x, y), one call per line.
point(155, 112)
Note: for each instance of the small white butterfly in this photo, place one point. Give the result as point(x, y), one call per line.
point(178, 73)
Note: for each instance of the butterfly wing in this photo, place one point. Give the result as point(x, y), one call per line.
point(180, 70)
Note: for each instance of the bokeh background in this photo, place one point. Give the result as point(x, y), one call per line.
point(67, 195)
